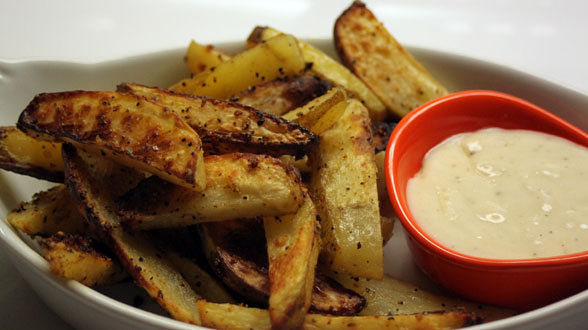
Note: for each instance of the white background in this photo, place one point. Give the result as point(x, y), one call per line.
point(546, 38)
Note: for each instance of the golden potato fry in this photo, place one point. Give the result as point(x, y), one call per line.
point(23, 154)
point(75, 257)
point(276, 58)
point(293, 245)
point(226, 127)
point(344, 186)
point(128, 129)
point(238, 186)
point(135, 251)
point(330, 118)
point(228, 316)
point(330, 70)
point(309, 114)
point(201, 58)
point(391, 296)
point(47, 213)
point(283, 94)
point(391, 72)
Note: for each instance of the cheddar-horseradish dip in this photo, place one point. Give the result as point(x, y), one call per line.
point(504, 194)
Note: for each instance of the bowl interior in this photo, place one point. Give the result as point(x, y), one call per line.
point(430, 124)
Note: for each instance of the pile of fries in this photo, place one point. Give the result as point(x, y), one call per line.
point(248, 196)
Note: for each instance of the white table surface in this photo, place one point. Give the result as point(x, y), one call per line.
point(546, 38)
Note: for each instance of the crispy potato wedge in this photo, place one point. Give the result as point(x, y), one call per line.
point(274, 59)
point(238, 186)
point(201, 58)
point(283, 94)
point(344, 186)
point(293, 245)
point(309, 114)
point(392, 73)
point(423, 321)
point(128, 129)
point(328, 69)
point(23, 154)
point(228, 316)
point(226, 127)
point(48, 212)
point(236, 250)
point(135, 251)
point(391, 296)
point(77, 258)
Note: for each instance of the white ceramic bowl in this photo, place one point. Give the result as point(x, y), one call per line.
point(85, 308)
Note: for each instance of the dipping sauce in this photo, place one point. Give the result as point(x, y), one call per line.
point(504, 194)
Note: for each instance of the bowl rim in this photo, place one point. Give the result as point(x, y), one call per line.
point(427, 241)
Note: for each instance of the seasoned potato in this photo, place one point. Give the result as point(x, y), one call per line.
point(283, 94)
point(238, 186)
point(49, 212)
point(23, 154)
point(228, 316)
point(344, 186)
point(391, 72)
point(293, 245)
point(128, 129)
point(330, 70)
point(75, 257)
point(391, 296)
point(135, 251)
point(200, 58)
point(226, 127)
point(276, 58)
point(309, 114)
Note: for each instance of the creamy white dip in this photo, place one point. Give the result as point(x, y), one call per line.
point(504, 194)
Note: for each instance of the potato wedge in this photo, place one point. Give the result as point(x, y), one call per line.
point(276, 58)
point(201, 58)
point(228, 316)
point(128, 129)
point(309, 114)
point(391, 296)
point(226, 127)
point(283, 94)
point(48, 212)
point(23, 154)
point(238, 186)
point(135, 251)
point(392, 73)
point(237, 253)
point(77, 258)
point(330, 70)
point(344, 186)
point(293, 245)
